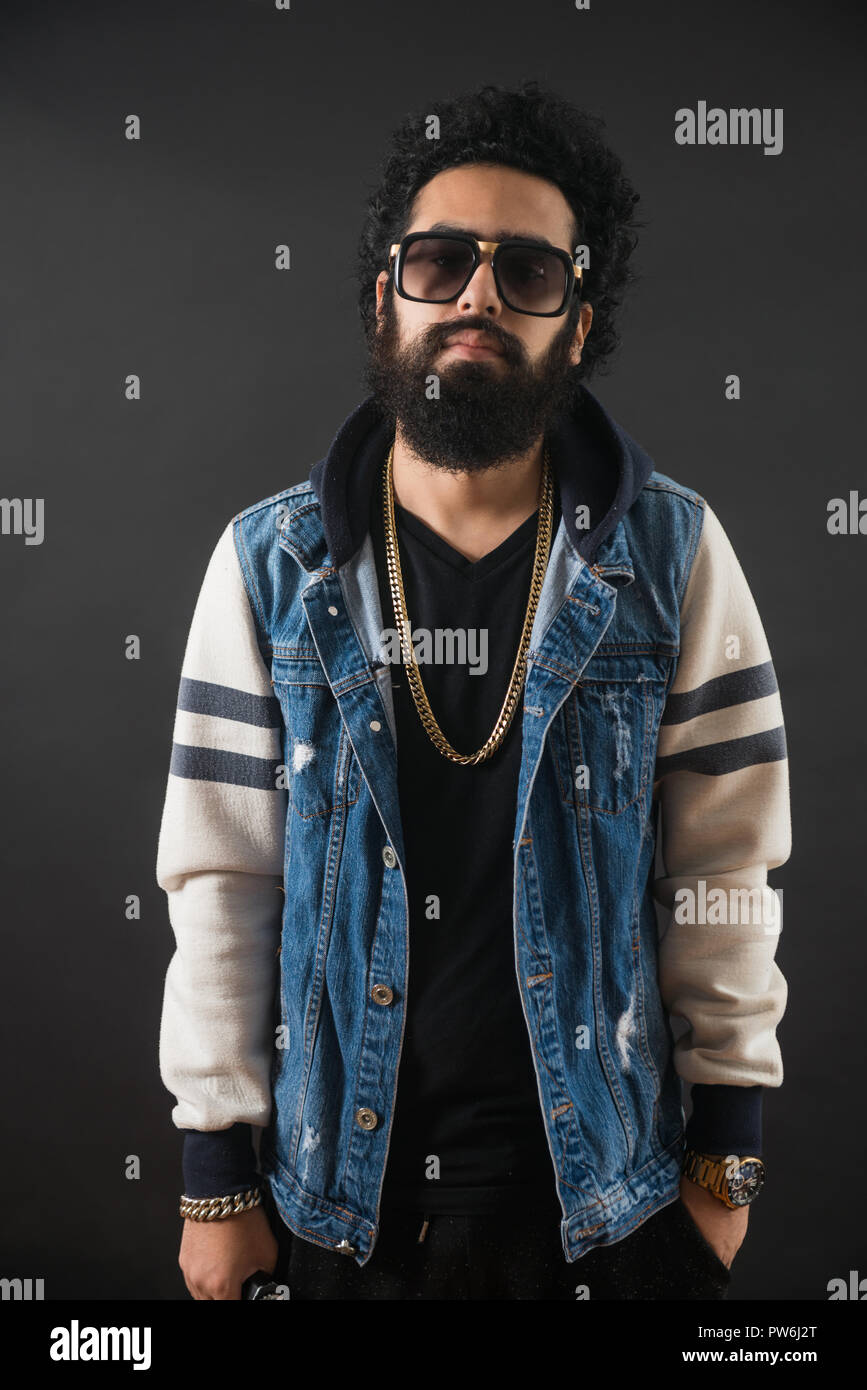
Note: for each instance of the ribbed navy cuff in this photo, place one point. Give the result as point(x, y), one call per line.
point(726, 1120)
point(219, 1162)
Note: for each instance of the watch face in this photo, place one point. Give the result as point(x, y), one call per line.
point(746, 1184)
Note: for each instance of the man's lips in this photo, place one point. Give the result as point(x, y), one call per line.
point(472, 345)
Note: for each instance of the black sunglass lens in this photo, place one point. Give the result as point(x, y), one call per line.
point(435, 268)
point(532, 280)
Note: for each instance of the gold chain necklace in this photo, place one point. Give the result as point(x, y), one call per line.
point(398, 598)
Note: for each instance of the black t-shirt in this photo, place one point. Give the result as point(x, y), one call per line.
point(468, 1135)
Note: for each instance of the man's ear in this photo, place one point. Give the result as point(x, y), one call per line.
point(381, 282)
point(582, 328)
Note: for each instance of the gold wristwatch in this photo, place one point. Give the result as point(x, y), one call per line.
point(735, 1181)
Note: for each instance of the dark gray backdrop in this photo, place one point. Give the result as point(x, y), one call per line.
point(156, 257)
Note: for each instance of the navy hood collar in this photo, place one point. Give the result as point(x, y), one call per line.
point(596, 463)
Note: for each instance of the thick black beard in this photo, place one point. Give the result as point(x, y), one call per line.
point(485, 417)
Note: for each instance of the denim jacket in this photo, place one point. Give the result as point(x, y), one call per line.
point(650, 760)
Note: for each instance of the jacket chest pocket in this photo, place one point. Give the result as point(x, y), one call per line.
point(609, 729)
point(322, 772)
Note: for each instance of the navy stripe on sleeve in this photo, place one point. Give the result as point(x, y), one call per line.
point(715, 759)
point(223, 701)
point(218, 765)
point(735, 688)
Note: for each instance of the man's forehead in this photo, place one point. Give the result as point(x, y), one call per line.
point(520, 205)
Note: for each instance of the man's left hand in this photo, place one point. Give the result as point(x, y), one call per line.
point(722, 1227)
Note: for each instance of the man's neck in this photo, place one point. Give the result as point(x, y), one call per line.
point(473, 512)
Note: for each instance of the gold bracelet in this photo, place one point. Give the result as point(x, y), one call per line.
point(216, 1208)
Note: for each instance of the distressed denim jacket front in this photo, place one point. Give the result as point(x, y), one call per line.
point(602, 660)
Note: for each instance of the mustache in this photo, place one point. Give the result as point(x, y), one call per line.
point(437, 334)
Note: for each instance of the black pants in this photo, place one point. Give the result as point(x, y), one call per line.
point(495, 1257)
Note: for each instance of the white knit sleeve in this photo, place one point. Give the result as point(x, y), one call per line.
point(220, 862)
point(722, 781)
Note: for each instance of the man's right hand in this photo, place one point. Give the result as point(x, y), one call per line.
point(217, 1256)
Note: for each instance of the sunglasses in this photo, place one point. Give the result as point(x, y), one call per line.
point(530, 279)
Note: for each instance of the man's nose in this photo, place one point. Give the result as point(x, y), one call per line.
point(480, 295)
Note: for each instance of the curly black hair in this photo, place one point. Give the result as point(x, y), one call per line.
point(535, 130)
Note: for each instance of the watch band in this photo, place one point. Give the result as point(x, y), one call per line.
point(710, 1171)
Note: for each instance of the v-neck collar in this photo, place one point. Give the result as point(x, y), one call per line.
point(523, 535)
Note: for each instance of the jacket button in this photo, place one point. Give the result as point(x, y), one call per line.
point(366, 1118)
point(382, 994)
point(344, 1248)
point(389, 856)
